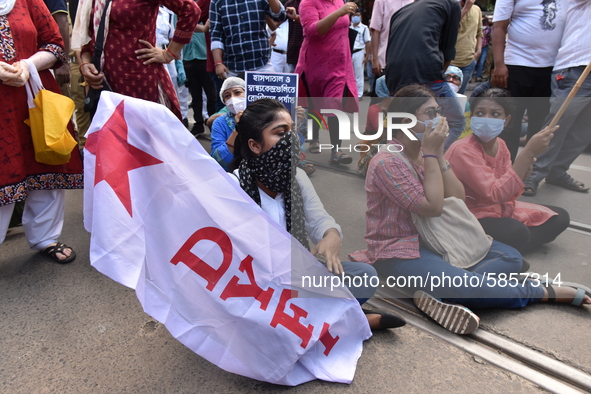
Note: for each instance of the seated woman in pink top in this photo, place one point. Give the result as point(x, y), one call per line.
point(482, 163)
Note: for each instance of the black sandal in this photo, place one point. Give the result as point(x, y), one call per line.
point(569, 183)
point(59, 247)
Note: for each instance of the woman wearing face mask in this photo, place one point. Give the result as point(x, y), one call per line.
point(264, 166)
point(223, 130)
point(483, 163)
point(394, 192)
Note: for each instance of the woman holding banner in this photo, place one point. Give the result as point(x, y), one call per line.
point(264, 164)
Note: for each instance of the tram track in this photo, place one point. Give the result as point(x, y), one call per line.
point(504, 353)
point(544, 371)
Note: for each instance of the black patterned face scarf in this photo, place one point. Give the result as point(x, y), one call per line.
point(276, 169)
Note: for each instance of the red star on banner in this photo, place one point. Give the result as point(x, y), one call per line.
point(115, 157)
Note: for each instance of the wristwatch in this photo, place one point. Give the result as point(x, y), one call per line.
point(446, 167)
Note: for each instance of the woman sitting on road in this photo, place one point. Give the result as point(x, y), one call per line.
point(394, 192)
point(264, 164)
point(482, 162)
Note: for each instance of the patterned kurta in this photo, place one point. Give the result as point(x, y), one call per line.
point(134, 20)
point(27, 29)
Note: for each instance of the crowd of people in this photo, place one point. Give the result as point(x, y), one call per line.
point(419, 58)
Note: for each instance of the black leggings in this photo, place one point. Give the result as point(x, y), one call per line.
point(525, 238)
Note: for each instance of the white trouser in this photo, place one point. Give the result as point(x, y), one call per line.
point(180, 90)
point(43, 217)
point(279, 62)
point(358, 58)
point(183, 94)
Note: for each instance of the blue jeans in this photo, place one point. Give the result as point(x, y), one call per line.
point(452, 110)
point(353, 269)
point(370, 75)
point(477, 287)
point(481, 61)
point(467, 71)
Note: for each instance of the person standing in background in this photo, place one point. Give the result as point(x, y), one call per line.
point(279, 39)
point(526, 36)
point(59, 12)
point(76, 88)
point(421, 45)
point(486, 37)
point(573, 135)
point(198, 79)
point(380, 29)
point(469, 42)
point(359, 50)
point(239, 39)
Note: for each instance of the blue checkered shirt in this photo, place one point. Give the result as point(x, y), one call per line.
point(238, 28)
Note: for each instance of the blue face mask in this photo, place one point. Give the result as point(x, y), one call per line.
point(429, 125)
point(356, 19)
point(486, 129)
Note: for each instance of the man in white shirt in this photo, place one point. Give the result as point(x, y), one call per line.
point(533, 30)
point(574, 134)
point(361, 41)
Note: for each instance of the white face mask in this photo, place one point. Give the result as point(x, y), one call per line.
point(453, 87)
point(236, 104)
point(429, 125)
point(486, 128)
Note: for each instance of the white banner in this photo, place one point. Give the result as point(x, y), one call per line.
point(204, 259)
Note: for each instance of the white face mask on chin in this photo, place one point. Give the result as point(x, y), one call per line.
point(236, 104)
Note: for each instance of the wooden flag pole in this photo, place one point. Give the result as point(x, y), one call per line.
point(570, 96)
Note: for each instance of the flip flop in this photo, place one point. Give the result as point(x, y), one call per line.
point(569, 183)
point(453, 317)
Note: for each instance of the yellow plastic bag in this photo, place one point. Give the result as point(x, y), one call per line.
point(49, 114)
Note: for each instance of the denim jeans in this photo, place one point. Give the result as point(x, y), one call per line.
point(481, 61)
point(467, 71)
point(452, 110)
point(573, 136)
point(480, 286)
point(353, 269)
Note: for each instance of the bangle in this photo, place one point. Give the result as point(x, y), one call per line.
point(217, 63)
point(82, 64)
point(435, 156)
point(173, 55)
point(230, 145)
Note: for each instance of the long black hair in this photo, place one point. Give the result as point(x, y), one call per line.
point(255, 118)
